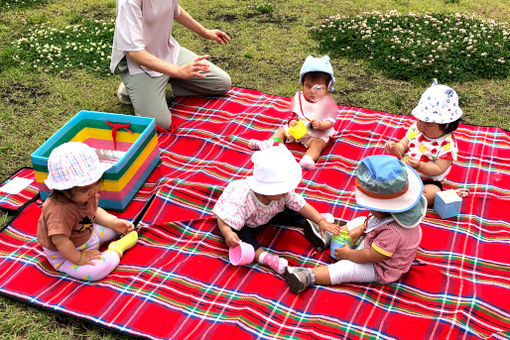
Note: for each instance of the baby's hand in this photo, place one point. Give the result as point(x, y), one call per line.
point(232, 240)
point(391, 147)
point(331, 227)
point(316, 124)
point(414, 163)
point(123, 226)
point(293, 122)
point(87, 255)
point(343, 253)
point(356, 233)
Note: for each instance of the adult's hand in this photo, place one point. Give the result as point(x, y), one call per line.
point(194, 69)
point(217, 35)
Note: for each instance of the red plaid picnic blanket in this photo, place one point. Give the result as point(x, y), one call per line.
point(177, 281)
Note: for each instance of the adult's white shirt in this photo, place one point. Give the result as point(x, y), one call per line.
point(145, 25)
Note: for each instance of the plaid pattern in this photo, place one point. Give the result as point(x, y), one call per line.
point(73, 164)
point(13, 202)
point(177, 281)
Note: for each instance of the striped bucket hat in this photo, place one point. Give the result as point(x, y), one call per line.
point(384, 183)
point(73, 164)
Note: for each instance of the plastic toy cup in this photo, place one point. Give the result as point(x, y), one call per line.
point(299, 130)
point(339, 241)
point(242, 254)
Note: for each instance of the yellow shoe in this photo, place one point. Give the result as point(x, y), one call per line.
point(123, 244)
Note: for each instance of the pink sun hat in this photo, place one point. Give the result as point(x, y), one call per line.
point(73, 164)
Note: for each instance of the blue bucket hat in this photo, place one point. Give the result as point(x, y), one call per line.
point(313, 64)
point(384, 183)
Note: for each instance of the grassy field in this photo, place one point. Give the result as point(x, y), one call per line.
point(270, 40)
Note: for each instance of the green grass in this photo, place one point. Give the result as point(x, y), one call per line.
point(270, 40)
point(450, 47)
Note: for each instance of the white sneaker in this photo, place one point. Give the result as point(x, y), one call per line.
point(123, 94)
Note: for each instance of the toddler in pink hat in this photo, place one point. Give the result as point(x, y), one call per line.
point(72, 226)
point(246, 205)
point(392, 192)
point(429, 146)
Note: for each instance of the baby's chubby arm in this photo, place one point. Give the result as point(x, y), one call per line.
point(430, 168)
point(231, 238)
point(366, 255)
point(309, 212)
point(321, 125)
point(397, 149)
point(113, 222)
point(67, 249)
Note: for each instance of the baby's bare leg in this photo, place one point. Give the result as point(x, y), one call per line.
point(322, 275)
point(280, 133)
point(430, 191)
point(315, 148)
point(256, 144)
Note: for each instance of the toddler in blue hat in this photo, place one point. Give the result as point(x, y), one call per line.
point(392, 191)
point(314, 107)
point(429, 146)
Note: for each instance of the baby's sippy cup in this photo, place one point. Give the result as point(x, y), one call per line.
point(299, 130)
point(338, 241)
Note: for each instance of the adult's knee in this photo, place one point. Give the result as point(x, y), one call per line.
point(225, 84)
point(154, 108)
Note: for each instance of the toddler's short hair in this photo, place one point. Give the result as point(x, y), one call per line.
point(317, 76)
point(450, 127)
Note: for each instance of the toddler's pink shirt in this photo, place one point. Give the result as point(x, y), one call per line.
point(238, 206)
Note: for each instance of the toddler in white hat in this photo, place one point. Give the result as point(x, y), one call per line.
point(268, 196)
point(72, 226)
point(314, 107)
point(429, 146)
point(392, 192)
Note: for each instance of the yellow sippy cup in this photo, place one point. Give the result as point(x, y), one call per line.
point(299, 130)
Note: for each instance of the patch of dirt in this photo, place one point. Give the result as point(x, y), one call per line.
point(20, 94)
point(102, 13)
point(263, 18)
point(223, 17)
point(360, 83)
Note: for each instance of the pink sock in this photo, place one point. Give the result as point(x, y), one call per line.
point(275, 262)
point(307, 162)
point(255, 144)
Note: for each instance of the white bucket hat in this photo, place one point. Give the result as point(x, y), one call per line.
point(384, 183)
point(73, 164)
point(438, 104)
point(313, 64)
point(275, 171)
